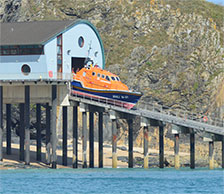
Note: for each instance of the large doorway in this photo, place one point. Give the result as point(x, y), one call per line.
point(77, 63)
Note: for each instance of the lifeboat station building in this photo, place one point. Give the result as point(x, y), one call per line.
point(37, 61)
point(43, 52)
point(47, 49)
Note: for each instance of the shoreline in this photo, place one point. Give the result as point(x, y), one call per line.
point(12, 161)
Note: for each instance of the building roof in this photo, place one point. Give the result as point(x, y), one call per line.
point(27, 33)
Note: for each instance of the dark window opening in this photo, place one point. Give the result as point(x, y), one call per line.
point(103, 76)
point(22, 50)
point(26, 69)
point(77, 63)
point(107, 78)
point(93, 73)
point(81, 41)
point(112, 78)
point(98, 75)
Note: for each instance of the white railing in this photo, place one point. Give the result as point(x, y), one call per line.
point(36, 76)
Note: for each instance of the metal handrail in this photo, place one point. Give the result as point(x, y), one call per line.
point(202, 118)
point(155, 107)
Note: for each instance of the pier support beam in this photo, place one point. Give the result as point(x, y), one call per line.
point(8, 128)
point(192, 150)
point(75, 137)
point(211, 155)
point(48, 133)
point(1, 123)
point(65, 132)
point(21, 132)
point(27, 125)
point(222, 151)
point(100, 126)
point(176, 152)
point(114, 143)
point(161, 146)
point(38, 125)
point(146, 145)
point(130, 143)
point(91, 139)
point(84, 139)
point(53, 126)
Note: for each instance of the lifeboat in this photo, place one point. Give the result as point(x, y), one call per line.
point(98, 84)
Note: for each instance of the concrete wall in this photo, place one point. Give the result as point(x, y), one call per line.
point(38, 94)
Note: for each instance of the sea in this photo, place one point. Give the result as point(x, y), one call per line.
point(112, 181)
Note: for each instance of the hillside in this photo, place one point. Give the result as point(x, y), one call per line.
point(171, 50)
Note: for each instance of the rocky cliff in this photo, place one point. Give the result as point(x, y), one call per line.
point(171, 50)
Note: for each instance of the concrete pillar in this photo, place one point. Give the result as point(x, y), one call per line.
point(27, 124)
point(211, 155)
point(91, 139)
point(114, 144)
point(146, 145)
point(48, 133)
point(100, 126)
point(8, 128)
point(65, 132)
point(130, 143)
point(84, 139)
point(1, 123)
point(161, 146)
point(75, 137)
point(222, 151)
point(192, 150)
point(21, 132)
point(176, 152)
point(38, 125)
point(53, 126)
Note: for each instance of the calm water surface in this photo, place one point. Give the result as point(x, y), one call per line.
point(108, 181)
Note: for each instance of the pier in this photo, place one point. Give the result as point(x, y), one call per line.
point(151, 116)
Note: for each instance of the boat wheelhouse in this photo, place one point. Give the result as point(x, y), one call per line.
point(96, 83)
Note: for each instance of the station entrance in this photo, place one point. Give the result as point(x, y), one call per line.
point(77, 63)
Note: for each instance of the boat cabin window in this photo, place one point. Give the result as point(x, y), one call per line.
point(117, 78)
point(113, 78)
point(103, 76)
point(98, 75)
point(84, 74)
point(93, 73)
point(107, 78)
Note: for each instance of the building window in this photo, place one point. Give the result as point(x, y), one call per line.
point(81, 41)
point(59, 53)
point(25, 69)
point(22, 50)
point(107, 78)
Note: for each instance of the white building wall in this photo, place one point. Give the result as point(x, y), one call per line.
point(91, 48)
point(50, 50)
point(10, 66)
